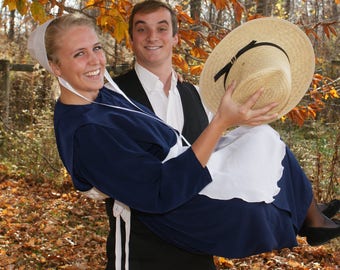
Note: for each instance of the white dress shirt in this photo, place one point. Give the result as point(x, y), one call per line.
point(168, 108)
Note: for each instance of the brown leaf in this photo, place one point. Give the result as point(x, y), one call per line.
point(312, 32)
point(219, 4)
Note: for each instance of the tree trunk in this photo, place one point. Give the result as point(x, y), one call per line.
point(335, 11)
point(195, 9)
point(11, 25)
point(288, 6)
point(265, 7)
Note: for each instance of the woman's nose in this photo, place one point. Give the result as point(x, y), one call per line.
point(94, 57)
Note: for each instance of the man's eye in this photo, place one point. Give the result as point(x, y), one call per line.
point(98, 48)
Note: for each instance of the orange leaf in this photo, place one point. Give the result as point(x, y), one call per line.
point(254, 16)
point(316, 95)
point(188, 36)
point(199, 53)
point(317, 76)
point(44, 2)
point(196, 70)
point(114, 23)
point(311, 112)
point(334, 93)
point(96, 3)
point(296, 116)
point(219, 4)
point(206, 24)
point(38, 12)
point(124, 7)
point(183, 16)
point(104, 21)
point(238, 9)
point(12, 4)
point(89, 3)
point(180, 62)
point(121, 30)
point(213, 41)
point(225, 262)
point(22, 7)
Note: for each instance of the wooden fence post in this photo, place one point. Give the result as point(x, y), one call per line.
point(5, 87)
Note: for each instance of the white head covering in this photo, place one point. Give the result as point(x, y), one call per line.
point(36, 45)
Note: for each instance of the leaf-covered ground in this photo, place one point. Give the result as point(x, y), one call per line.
point(47, 227)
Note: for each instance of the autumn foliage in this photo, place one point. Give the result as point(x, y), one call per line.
point(55, 227)
point(48, 225)
point(195, 42)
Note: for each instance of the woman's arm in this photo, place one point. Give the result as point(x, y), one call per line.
point(113, 162)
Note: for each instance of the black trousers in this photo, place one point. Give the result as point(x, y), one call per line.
point(149, 252)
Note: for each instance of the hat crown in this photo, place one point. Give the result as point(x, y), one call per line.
point(263, 66)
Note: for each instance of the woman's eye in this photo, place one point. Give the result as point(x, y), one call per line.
point(78, 54)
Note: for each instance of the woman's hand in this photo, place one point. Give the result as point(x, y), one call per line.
point(232, 114)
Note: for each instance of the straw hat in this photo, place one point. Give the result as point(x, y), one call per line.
point(266, 52)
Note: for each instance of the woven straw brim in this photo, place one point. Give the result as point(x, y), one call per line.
point(280, 32)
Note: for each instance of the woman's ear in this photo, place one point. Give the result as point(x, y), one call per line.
point(55, 68)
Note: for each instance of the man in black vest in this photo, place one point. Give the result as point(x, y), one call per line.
point(153, 83)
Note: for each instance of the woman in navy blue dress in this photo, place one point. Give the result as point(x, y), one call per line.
point(112, 146)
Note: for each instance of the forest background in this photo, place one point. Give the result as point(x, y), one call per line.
point(45, 224)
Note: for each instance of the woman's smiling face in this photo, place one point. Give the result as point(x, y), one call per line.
point(81, 60)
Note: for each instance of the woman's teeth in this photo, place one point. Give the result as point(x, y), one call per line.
point(93, 73)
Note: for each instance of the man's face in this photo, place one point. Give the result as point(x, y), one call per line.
point(153, 38)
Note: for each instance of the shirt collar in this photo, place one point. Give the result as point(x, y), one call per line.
point(151, 82)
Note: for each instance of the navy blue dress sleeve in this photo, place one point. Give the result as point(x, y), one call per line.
point(118, 166)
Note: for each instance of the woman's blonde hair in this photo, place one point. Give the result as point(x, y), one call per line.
point(58, 26)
